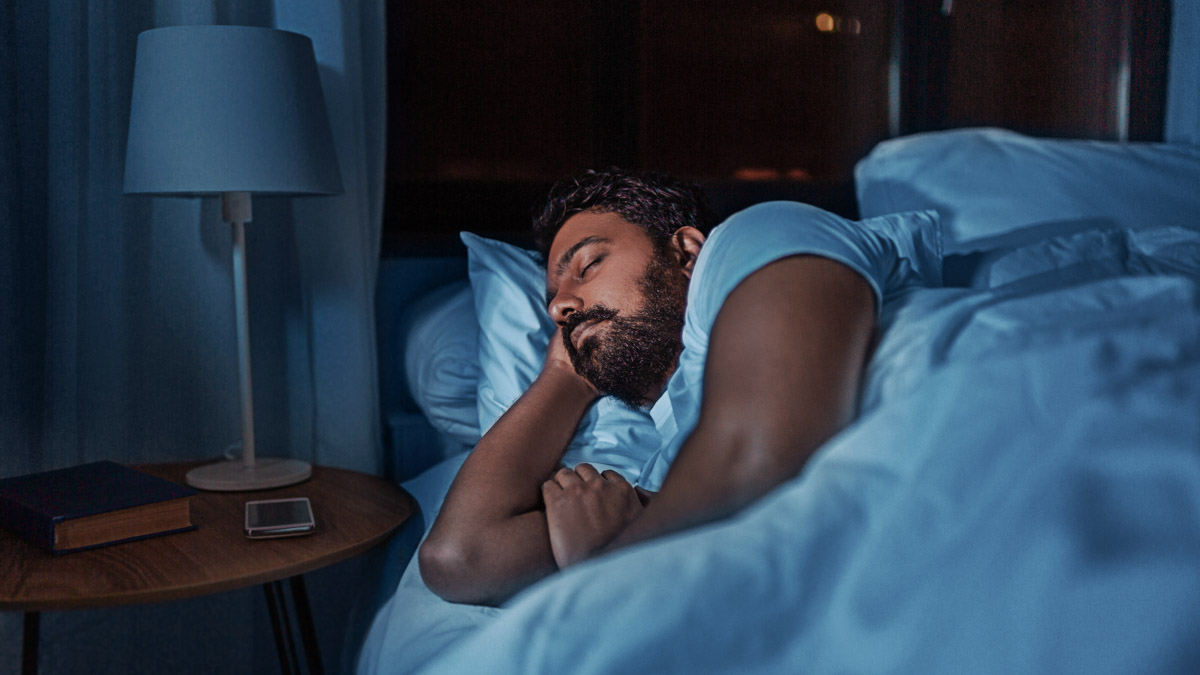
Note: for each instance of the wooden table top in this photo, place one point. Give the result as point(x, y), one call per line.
point(353, 511)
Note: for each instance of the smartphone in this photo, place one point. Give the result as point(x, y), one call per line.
point(269, 518)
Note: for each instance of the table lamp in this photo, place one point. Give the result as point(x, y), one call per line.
point(231, 111)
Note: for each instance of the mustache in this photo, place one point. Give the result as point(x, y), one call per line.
point(593, 313)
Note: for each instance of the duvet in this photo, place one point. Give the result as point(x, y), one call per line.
point(1020, 493)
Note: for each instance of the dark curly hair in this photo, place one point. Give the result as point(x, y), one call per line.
point(657, 203)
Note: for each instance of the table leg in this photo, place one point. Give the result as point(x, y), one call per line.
point(308, 632)
point(281, 626)
point(29, 646)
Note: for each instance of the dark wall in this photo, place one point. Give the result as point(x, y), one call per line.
point(490, 103)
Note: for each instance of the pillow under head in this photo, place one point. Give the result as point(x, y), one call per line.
point(509, 285)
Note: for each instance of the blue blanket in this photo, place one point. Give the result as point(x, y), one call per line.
point(1021, 493)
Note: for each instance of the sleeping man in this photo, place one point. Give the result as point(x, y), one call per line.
point(747, 346)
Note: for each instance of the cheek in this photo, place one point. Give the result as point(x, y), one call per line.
point(623, 304)
point(626, 295)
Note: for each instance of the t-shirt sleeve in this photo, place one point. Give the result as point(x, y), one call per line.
point(891, 252)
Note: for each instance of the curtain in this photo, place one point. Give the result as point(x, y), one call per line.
point(117, 334)
point(1183, 91)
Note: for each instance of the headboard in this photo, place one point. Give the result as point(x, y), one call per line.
point(411, 443)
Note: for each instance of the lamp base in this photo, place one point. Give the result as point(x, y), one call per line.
point(233, 476)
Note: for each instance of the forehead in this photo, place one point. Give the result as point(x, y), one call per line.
point(593, 226)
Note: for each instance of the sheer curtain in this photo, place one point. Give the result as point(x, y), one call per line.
point(1183, 92)
point(117, 336)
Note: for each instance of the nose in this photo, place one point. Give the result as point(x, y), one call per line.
point(563, 305)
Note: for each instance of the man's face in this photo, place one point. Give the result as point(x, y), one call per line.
point(620, 303)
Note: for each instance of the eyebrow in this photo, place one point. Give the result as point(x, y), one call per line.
point(565, 259)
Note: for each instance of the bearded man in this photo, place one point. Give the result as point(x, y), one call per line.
point(749, 356)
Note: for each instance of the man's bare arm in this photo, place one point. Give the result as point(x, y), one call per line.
point(490, 539)
point(785, 360)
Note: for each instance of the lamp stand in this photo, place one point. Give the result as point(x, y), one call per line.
point(248, 473)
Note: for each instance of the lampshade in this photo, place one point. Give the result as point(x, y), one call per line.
point(228, 109)
point(234, 111)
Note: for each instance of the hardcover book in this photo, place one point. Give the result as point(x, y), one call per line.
point(92, 505)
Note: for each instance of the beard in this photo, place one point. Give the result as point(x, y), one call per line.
point(632, 357)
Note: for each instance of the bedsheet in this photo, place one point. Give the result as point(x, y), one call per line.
point(1021, 493)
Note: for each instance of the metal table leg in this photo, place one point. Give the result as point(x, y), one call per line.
point(29, 645)
point(308, 632)
point(281, 626)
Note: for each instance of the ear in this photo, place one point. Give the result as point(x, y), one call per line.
point(686, 243)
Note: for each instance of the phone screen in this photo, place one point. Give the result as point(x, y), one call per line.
point(274, 514)
point(276, 517)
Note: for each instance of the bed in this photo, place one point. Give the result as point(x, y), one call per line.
point(1020, 491)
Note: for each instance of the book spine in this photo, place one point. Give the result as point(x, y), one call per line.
point(148, 535)
point(35, 527)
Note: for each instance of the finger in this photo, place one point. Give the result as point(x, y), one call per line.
point(550, 487)
point(614, 477)
point(566, 478)
point(557, 346)
point(587, 472)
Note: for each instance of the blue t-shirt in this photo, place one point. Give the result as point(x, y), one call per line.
point(893, 253)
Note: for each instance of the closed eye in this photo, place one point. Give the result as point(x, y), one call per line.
point(590, 265)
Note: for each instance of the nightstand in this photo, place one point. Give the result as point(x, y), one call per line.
point(354, 512)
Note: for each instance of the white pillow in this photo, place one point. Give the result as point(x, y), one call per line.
point(509, 286)
point(441, 360)
point(995, 188)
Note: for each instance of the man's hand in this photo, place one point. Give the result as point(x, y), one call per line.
point(558, 364)
point(585, 510)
